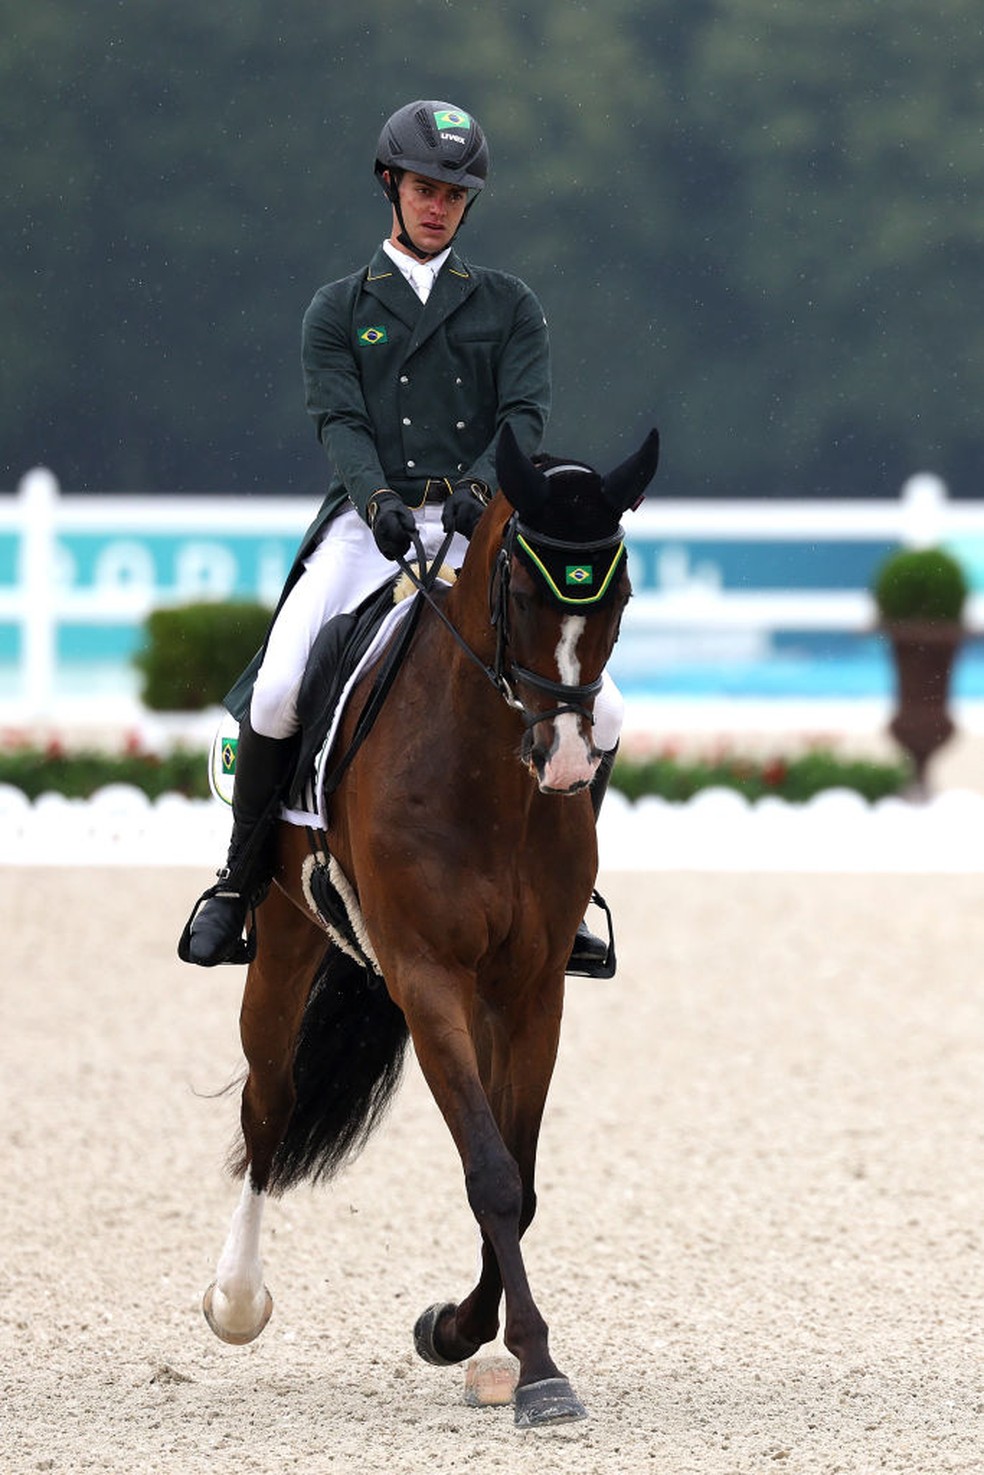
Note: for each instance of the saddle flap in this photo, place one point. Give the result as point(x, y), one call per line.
point(336, 654)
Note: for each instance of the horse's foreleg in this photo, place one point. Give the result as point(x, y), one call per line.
point(549, 1399)
point(477, 1315)
point(237, 1305)
point(467, 1326)
point(502, 1205)
point(446, 1334)
point(491, 1377)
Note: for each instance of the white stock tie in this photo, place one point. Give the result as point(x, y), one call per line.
point(422, 280)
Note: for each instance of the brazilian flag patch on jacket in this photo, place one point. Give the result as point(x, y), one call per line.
point(372, 336)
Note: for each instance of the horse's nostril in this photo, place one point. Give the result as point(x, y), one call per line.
point(538, 758)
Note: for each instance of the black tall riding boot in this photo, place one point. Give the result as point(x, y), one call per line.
point(214, 931)
point(589, 955)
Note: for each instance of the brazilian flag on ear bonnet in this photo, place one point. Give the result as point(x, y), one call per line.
point(571, 573)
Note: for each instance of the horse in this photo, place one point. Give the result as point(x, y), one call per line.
point(462, 838)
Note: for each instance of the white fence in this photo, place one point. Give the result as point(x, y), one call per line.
point(674, 593)
point(715, 831)
point(686, 597)
point(126, 586)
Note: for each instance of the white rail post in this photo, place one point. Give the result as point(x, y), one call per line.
point(38, 494)
point(925, 498)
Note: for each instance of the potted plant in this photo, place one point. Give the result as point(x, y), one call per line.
point(920, 594)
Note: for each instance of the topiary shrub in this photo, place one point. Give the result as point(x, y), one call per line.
point(193, 653)
point(921, 584)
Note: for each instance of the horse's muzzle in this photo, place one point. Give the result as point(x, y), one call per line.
point(566, 768)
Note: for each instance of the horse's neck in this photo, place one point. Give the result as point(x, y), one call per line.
point(469, 654)
point(468, 647)
point(468, 602)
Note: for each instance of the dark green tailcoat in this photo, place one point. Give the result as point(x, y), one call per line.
point(401, 391)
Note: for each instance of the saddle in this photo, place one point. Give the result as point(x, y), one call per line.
point(336, 655)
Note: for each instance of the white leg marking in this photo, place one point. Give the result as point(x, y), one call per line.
point(239, 1298)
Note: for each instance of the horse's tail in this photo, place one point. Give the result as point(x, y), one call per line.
point(347, 1065)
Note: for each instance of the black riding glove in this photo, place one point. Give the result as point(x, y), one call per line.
point(464, 507)
point(391, 522)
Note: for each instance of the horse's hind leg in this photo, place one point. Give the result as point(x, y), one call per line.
point(237, 1305)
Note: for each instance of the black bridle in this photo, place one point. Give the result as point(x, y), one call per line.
point(504, 674)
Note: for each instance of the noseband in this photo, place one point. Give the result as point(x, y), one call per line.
point(545, 557)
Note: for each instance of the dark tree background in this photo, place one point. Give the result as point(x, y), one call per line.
point(761, 226)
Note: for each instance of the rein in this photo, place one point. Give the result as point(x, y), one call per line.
point(501, 675)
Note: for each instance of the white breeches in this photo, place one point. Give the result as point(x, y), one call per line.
point(340, 572)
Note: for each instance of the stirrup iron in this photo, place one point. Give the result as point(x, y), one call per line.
point(604, 968)
point(242, 952)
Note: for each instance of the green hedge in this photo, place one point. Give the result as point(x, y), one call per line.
point(80, 774)
point(193, 653)
point(793, 779)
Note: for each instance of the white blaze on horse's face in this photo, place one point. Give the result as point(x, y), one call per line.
point(572, 761)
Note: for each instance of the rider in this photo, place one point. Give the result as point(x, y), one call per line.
point(411, 366)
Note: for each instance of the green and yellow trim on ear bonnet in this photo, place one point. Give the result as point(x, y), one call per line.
point(572, 573)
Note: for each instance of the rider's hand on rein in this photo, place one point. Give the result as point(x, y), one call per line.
point(464, 507)
point(391, 522)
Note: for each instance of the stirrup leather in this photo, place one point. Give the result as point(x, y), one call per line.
point(604, 967)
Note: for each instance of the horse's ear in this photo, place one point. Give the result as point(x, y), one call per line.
point(626, 486)
point(524, 485)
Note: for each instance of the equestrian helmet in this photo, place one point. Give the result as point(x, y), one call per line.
point(437, 140)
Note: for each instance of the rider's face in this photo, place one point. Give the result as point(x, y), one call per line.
point(432, 212)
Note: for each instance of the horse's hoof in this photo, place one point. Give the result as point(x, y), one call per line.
point(490, 1382)
point(423, 1334)
point(551, 1401)
point(236, 1338)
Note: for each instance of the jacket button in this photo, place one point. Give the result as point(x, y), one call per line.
point(411, 464)
point(404, 379)
point(460, 425)
point(406, 420)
